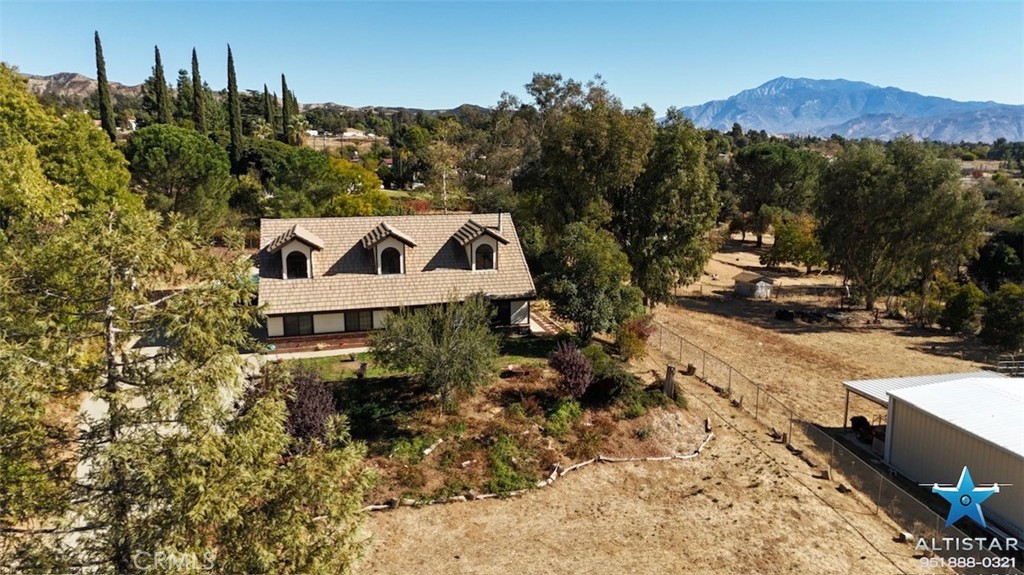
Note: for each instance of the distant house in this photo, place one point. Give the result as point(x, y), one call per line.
point(753, 285)
point(339, 275)
point(352, 133)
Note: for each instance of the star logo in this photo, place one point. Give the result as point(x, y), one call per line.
point(965, 499)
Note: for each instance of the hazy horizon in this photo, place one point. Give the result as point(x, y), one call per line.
point(439, 55)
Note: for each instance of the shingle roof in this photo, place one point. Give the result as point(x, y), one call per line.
point(296, 232)
point(472, 230)
point(382, 231)
point(344, 273)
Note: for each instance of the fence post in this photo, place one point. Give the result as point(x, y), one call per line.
point(661, 339)
point(730, 381)
point(704, 365)
point(879, 498)
point(790, 436)
point(680, 356)
point(757, 400)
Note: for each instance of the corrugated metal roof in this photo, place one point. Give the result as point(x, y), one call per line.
point(878, 390)
point(991, 409)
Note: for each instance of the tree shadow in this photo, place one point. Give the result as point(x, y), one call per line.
point(529, 346)
point(379, 407)
point(761, 313)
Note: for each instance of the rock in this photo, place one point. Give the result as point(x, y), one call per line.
point(408, 502)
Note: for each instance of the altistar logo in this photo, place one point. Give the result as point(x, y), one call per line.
point(965, 498)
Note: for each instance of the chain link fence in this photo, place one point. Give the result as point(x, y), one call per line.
point(874, 492)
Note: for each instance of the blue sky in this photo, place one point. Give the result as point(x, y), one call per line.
point(441, 54)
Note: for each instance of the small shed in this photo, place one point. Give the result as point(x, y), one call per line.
point(753, 285)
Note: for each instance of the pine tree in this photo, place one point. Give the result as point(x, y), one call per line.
point(178, 453)
point(234, 115)
point(198, 97)
point(162, 95)
point(286, 113)
point(106, 108)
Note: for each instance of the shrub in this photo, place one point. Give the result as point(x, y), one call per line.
point(506, 475)
point(961, 312)
point(563, 418)
point(309, 406)
point(451, 346)
point(600, 361)
point(1003, 323)
point(632, 336)
point(574, 369)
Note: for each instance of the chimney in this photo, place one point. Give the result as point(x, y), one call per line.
point(500, 214)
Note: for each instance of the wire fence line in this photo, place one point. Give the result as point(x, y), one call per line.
point(878, 493)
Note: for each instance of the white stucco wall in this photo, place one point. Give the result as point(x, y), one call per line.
point(483, 240)
point(275, 326)
point(296, 246)
point(520, 312)
point(389, 243)
point(328, 322)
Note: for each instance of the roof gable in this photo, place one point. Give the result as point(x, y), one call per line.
point(383, 230)
point(296, 232)
point(472, 230)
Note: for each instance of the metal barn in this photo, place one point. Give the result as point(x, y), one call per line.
point(935, 430)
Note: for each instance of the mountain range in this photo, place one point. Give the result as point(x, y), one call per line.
point(802, 106)
point(783, 106)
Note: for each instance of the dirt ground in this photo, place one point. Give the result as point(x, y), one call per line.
point(746, 505)
point(803, 364)
point(732, 510)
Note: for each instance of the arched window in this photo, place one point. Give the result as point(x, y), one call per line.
point(390, 261)
point(484, 257)
point(297, 268)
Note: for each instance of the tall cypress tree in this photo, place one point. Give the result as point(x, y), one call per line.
point(268, 110)
point(234, 114)
point(198, 96)
point(286, 113)
point(106, 108)
point(163, 98)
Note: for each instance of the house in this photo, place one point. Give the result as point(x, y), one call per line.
point(750, 284)
point(338, 275)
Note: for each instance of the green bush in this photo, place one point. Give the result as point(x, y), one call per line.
point(561, 421)
point(600, 361)
point(505, 472)
point(631, 337)
point(1003, 323)
point(961, 312)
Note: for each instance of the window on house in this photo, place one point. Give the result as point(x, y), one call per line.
point(484, 257)
point(358, 320)
point(390, 261)
point(296, 265)
point(298, 324)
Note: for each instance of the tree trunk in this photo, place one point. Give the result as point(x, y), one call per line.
point(760, 240)
point(869, 300)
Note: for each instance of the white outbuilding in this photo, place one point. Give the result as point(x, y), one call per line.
point(934, 430)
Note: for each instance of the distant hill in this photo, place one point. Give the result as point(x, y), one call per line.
point(802, 106)
point(76, 85)
point(71, 84)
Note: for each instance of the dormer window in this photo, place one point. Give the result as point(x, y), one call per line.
point(481, 244)
point(390, 261)
point(297, 265)
point(296, 247)
point(484, 257)
point(389, 246)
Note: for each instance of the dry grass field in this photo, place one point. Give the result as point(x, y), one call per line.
point(746, 505)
